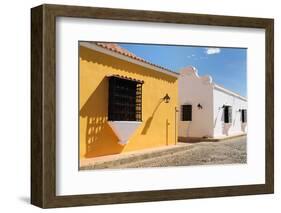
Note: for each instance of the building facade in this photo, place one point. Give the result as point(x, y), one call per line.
point(125, 103)
point(207, 110)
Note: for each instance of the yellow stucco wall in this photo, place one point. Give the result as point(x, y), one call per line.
point(158, 118)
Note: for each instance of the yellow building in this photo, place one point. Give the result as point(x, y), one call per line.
point(126, 103)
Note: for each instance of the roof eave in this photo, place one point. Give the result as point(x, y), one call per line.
point(126, 58)
point(229, 92)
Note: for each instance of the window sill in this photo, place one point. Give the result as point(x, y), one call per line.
point(124, 129)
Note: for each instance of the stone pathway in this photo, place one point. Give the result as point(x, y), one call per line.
point(231, 151)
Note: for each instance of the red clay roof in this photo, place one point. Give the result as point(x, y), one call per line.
point(116, 48)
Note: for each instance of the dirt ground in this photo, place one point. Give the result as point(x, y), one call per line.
point(232, 151)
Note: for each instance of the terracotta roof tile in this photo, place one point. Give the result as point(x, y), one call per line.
point(116, 48)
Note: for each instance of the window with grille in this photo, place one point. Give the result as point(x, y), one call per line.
point(125, 100)
point(186, 113)
point(227, 114)
point(244, 115)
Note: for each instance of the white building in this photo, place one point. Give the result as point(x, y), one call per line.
point(207, 110)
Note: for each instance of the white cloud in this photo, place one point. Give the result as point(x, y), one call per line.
point(191, 56)
point(210, 51)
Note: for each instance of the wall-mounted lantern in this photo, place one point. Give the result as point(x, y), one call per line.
point(199, 106)
point(166, 98)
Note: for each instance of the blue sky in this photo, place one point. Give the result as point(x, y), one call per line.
point(227, 66)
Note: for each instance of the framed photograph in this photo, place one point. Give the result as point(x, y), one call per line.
point(138, 106)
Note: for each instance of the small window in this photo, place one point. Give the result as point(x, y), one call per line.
point(227, 114)
point(186, 113)
point(125, 100)
point(244, 115)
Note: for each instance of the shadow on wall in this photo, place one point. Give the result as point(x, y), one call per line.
point(99, 138)
point(109, 61)
point(236, 117)
point(149, 120)
point(225, 126)
point(215, 123)
point(243, 127)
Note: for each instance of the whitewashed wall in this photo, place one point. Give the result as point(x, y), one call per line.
point(193, 90)
point(221, 98)
point(208, 121)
